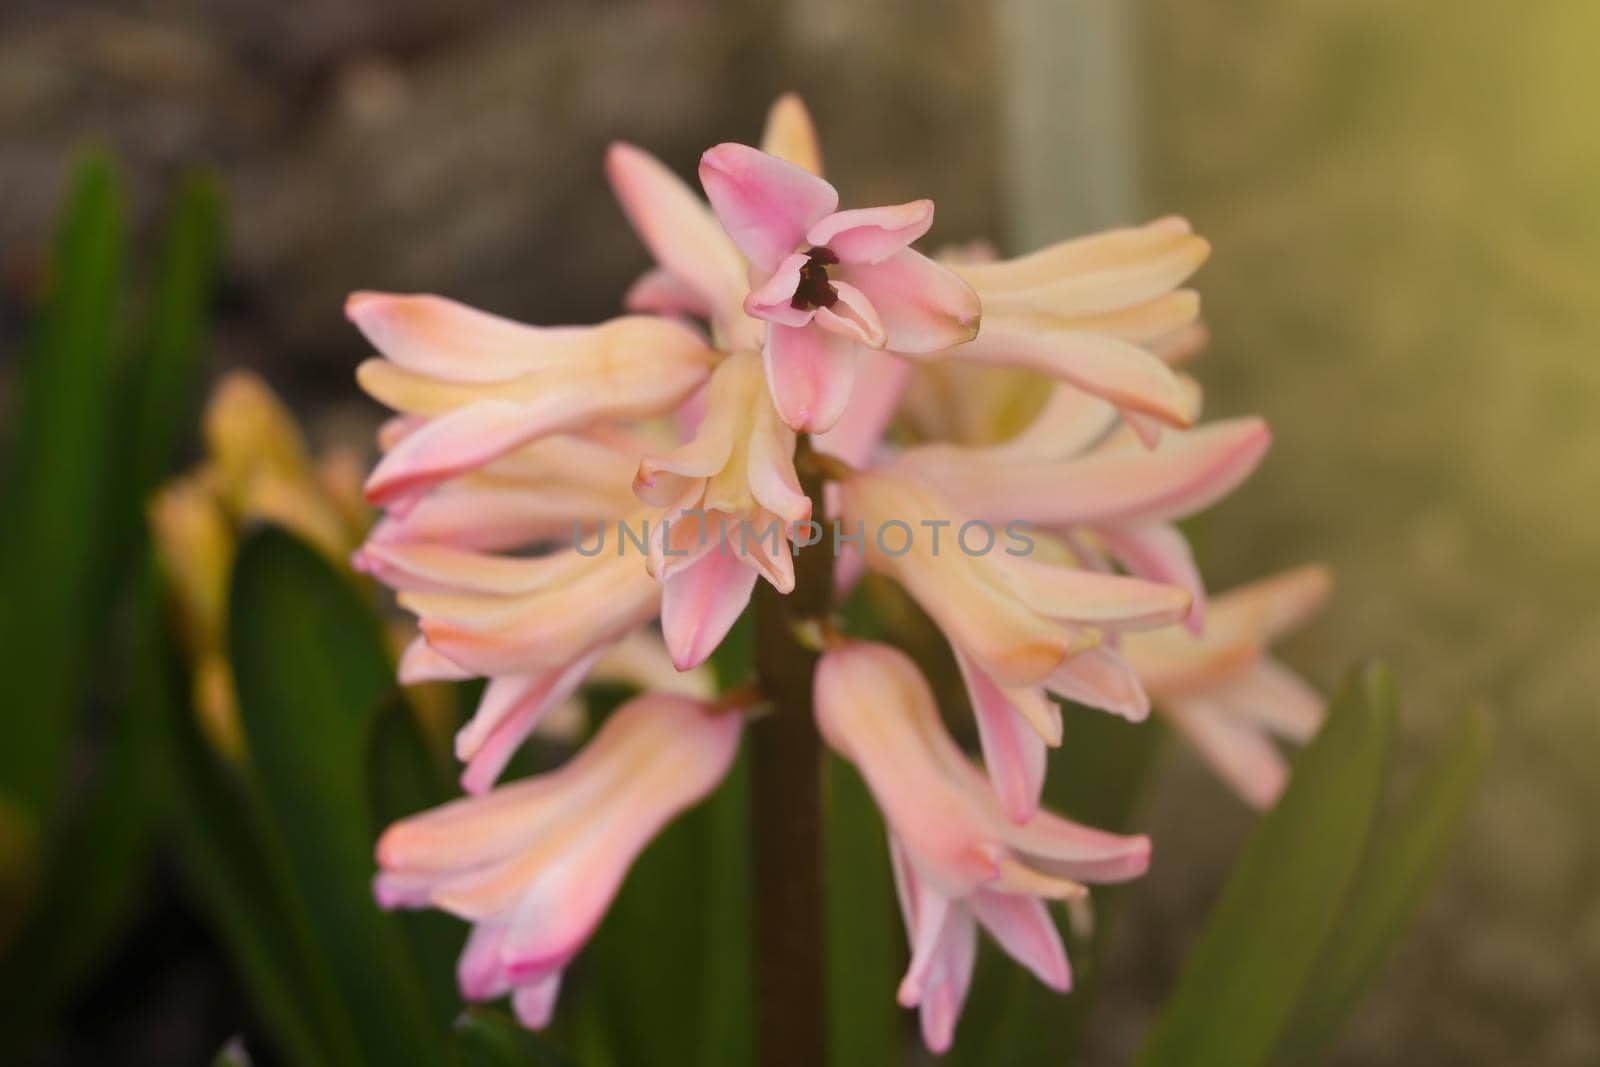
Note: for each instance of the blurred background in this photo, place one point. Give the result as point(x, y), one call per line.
point(1405, 282)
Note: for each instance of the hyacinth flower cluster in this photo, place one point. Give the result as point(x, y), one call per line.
point(552, 494)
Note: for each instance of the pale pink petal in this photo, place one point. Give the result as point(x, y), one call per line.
point(701, 602)
point(765, 204)
point(1024, 929)
point(932, 912)
point(872, 234)
point(1013, 752)
point(1082, 853)
point(1271, 607)
point(773, 299)
point(1187, 473)
point(479, 972)
point(671, 753)
point(1101, 679)
point(790, 134)
point(418, 566)
point(1113, 369)
point(519, 635)
point(442, 338)
point(1091, 275)
point(1160, 552)
point(392, 891)
point(421, 662)
point(1237, 750)
point(463, 440)
point(535, 1003)
point(487, 518)
point(1091, 597)
point(1274, 698)
point(771, 473)
point(660, 292)
point(853, 316)
point(948, 984)
point(809, 372)
point(675, 225)
point(924, 306)
point(507, 714)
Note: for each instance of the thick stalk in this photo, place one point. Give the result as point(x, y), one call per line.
point(786, 777)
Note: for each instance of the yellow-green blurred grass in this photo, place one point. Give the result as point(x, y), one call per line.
point(1404, 199)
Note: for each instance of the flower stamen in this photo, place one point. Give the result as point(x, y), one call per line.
point(814, 289)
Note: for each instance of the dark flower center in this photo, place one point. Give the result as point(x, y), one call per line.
point(814, 291)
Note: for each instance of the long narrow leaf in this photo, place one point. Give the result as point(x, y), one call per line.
point(54, 546)
point(1410, 845)
point(312, 669)
point(1243, 979)
point(162, 374)
point(865, 950)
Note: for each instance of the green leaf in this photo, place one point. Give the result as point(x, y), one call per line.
point(101, 845)
point(54, 545)
point(1410, 845)
point(312, 669)
point(865, 954)
point(1257, 953)
point(163, 371)
point(223, 851)
point(487, 1038)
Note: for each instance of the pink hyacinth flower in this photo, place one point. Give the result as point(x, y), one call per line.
point(535, 865)
point(1071, 474)
point(1021, 628)
point(1101, 313)
point(830, 285)
point(478, 386)
point(1226, 694)
point(730, 500)
point(960, 862)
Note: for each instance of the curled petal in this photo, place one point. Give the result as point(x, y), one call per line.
point(773, 299)
point(1101, 679)
point(773, 481)
point(1013, 752)
point(1091, 275)
point(765, 204)
point(420, 663)
point(1024, 929)
point(1274, 698)
point(701, 602)
point(493, 635)
point(852, 315)
point(1237, 750)
point(1185, 474)
point(924, 306)
point(535, 1002)
point(1160, 552)
point(660, 292)
point(809, 371)
point(872, 234)
point(463, 440)
point(1115, 370)
point(675, 225)
point(1090, 597)
point(507, 714)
